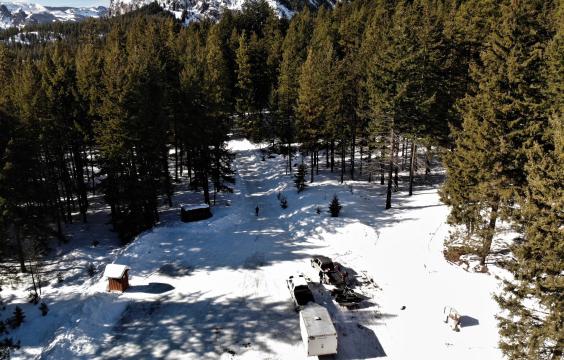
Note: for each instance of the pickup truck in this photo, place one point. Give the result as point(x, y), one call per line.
point(299, 291)
point(322, 263)
point(328, 272)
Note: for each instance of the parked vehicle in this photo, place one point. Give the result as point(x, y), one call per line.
point(318, 332)
point(329, 272)
point(299, 291)
point(322, 263)
point(333, 277)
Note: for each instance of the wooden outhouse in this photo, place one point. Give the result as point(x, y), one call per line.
point(118, 277)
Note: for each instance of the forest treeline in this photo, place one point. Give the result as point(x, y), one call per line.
point(124, 106)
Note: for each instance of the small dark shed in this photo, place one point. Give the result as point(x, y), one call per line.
point(118, 277)
point(195, 212)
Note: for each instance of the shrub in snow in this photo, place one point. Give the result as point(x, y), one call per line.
point(43, 308)
point(90, 269)
point(283, 202)
point(17, 319)
point(459, 244)
point(60, 278)
point(33, 298)
point(299, 178)
point(318, 210)
point(335, 207)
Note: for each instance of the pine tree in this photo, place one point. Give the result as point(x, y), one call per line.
point(485, 172)
point(17, 318)
point(335, 206)
point(392, 81)
point(314, 83)
point(531, 326)
point(294, 53)
point(466, 27)
point(244, 85)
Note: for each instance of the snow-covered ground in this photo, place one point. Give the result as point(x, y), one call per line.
point(215, 289)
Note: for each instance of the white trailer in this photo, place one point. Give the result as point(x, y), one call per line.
point(318, 333)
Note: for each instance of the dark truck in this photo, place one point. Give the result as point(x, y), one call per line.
point(299, 290)
point(328, 272)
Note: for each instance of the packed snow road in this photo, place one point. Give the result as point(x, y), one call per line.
point(215, 289)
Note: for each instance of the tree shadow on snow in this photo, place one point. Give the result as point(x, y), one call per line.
point(199, 329)
point(467, 321)
point(357, 342)
point(151, 288)
point(355, 339)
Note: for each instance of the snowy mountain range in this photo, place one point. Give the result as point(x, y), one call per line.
point(194, 10)
point(20, 13)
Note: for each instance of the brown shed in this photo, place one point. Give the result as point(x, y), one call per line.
point(195, 212)
point(117, 277)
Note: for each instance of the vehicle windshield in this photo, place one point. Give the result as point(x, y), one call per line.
point(303, 296)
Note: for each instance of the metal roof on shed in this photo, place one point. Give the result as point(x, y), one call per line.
point(188, 207)
point(115, 271)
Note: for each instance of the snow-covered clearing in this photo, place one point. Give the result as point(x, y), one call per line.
point(216, 288)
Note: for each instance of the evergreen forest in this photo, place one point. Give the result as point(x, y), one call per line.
point(124, 106)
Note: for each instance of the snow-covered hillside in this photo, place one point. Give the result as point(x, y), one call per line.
point(195, 10)
point(20, 13)
point(215, 289)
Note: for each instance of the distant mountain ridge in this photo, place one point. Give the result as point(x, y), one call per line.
point(21, 13)
point(195, 10)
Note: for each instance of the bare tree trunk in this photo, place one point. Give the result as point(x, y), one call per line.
point(311, 161)
point(20, 251)
point(390, 171)
point(403, 155)
point(167, 180)
point(428, 161)
point(81, 186)
point(360, 167)
point(332, 155)
point(317, 162)
point(487, 245)
point(290, 156)
point(396, 177)
point(176, 161)
point(205, 184)
point(382, 167)
point(33, 279)
point(353, 151)
point(189, 165)
point(181, 160)
point(342, 161)
point(412, 167)
point(92, 171)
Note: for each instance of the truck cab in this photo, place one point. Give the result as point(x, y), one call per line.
point(299, 291)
